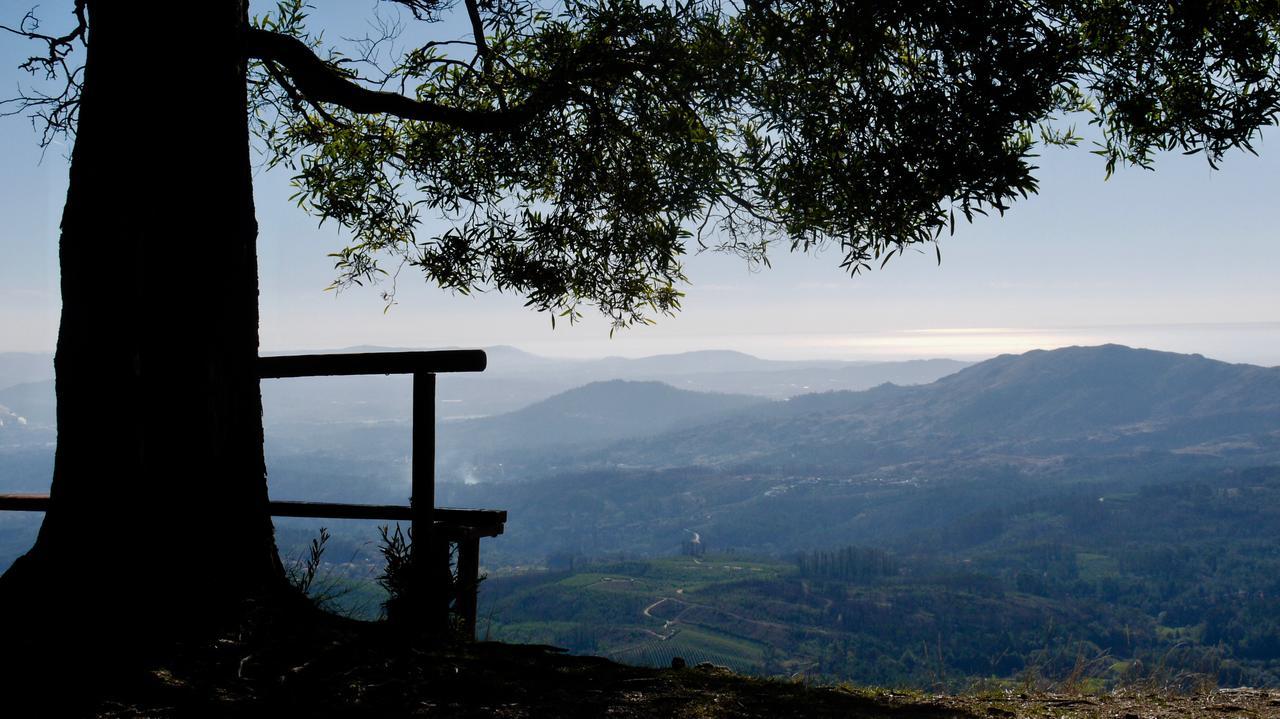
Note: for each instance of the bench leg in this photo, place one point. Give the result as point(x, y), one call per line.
point(442, 583)
point(468, 578)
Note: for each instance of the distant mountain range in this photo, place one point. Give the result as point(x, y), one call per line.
point(579, 420)
point(20, 367)
point(514, 379)
point(627, 465)
point(591, 414)
point(894, 464)
point(1073, 401)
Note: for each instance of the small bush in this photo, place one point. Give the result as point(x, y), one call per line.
point(397, 554)
point(302, 573)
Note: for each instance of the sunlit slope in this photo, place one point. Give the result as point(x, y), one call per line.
point(1073, 401)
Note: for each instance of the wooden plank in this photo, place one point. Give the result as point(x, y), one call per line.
point(321, 510)
point(330, 365)
point(482, 519)
point(24, 502)
point(485, 520)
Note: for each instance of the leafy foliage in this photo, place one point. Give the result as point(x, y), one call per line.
point(1190, 76)
point(302, 573)
point(582, 146)
point(574, 152)
point(847, 564)
point(397, 553)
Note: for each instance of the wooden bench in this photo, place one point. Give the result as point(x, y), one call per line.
point(461, 528)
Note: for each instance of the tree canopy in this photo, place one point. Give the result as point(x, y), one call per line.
point(574, 151)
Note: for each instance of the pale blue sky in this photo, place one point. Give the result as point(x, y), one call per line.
point(1184, 259)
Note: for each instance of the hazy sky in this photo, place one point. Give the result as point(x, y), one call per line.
point(1184, 259)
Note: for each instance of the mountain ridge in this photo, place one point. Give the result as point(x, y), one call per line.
point(597, 411)
point(1087, 400)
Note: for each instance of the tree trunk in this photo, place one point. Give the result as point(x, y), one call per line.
point(159, 501)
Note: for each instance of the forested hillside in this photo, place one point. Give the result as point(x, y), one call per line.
point(1175, 583)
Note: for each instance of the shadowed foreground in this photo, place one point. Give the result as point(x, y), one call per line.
point(310, 665)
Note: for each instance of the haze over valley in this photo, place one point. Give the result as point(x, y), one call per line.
point(1095, 501)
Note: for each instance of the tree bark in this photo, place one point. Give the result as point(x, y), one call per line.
point(159, 501)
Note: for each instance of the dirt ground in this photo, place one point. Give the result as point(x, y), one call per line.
point(335, 669)
point(493, 680)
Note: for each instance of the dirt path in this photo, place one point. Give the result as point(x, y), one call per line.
point(666, 623)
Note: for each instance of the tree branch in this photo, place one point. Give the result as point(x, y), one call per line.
point(318, 81)
point(59, 110)
point(477, 31)
point(424, 10)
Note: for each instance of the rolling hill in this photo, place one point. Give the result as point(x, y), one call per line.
point(33, 401)
point(20, 367)
point(596, 412)
point(1108, 400)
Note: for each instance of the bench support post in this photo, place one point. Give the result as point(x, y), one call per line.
point(430, 572)
point(468, 581)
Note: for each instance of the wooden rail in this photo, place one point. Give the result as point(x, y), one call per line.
point(486, 522)
point(334, 365)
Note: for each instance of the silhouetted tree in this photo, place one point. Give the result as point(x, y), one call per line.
point(575, 150)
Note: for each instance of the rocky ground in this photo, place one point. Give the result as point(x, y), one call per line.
point(1125, 704)
point(288, 668)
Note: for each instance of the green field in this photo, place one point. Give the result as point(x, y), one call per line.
point(637, 612)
